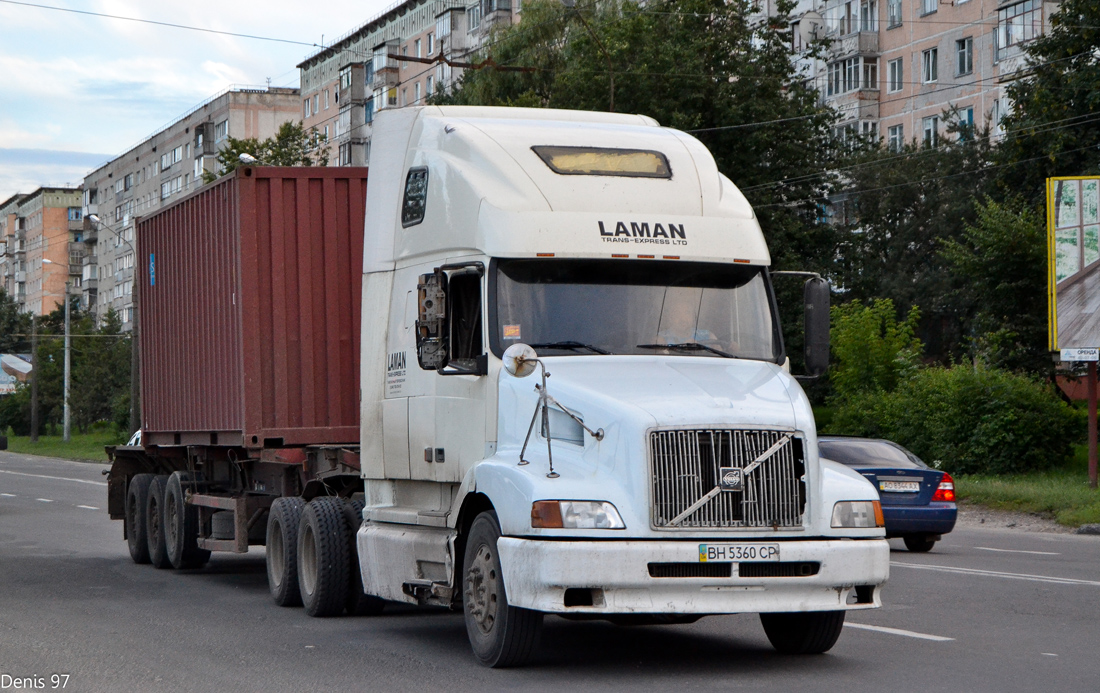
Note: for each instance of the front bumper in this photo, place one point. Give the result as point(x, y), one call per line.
point(934, 518)
point(538, 572)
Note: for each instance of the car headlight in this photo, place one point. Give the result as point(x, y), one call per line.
point(571, 514)
point(858, 515)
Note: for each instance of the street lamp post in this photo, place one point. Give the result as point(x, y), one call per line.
point(135, 354)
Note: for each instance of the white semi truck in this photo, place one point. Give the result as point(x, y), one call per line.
point(573, 399)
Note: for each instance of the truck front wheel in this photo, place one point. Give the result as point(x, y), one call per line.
point(500, 635)
point(136, 496)
point(282, 550)
point(811, 632)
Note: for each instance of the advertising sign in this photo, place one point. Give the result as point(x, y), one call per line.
point(13, 370)
point(1073, 262)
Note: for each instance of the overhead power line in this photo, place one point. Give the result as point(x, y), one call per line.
point(167, 24)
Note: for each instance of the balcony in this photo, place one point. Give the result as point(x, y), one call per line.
point(20, 277)
point(857, 42)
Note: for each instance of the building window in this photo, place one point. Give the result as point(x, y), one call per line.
point(966, 122)
point(893, 13)
point(431, 43)
point(316, 103)
point(405, 96)
point(931, 126)
point(868, 15)
point(473, 16)
point(416, 92)
point(418, 54)
point(851, 74)
point(404, 51)
point(221, 131)
point(75, 214)
point(996, 115)
point(1019, 23)
point(929, 6)
point(929, 67)
point(895, 75)
point(964, 52)
point(428, 86)
point(306, 108)
point(326, 99)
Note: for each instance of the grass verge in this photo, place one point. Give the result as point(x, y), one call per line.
point(1063, 494)
point(86, 447)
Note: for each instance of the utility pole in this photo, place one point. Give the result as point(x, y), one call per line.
point(68, 370)
point(34, 377)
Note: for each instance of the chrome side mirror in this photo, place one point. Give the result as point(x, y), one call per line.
point(520, 360)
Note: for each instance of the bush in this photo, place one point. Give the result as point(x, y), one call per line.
point(968, 420)
point(872, 351)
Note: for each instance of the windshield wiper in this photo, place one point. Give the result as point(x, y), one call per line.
point(569, 344)
point(689, 346)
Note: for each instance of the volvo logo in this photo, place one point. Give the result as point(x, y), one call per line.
point(729, 478)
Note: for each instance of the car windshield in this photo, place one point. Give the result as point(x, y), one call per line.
point(635, 307)
point(868, 453)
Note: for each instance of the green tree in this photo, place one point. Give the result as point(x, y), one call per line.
point(12, 324)
point(872, 351)
point(1053, 129)
point(292, 145)
point(1000, 263)
point(103, 376)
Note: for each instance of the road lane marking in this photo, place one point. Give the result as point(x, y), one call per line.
point(898, 631)
point(1037, 553)
point(996, 573)
point(1048, 654)
point(8, 495)
point(56, 478)
point(88, 507)
point(44, 500)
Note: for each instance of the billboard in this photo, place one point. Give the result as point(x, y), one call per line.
point(14, 369)
point(1073, 262)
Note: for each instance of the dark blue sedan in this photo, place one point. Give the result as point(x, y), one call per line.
point(918, 502)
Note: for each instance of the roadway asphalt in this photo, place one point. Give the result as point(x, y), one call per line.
point(987, 610)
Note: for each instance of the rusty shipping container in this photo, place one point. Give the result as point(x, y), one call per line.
point(249, 298)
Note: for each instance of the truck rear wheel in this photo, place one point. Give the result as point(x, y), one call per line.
point(359, 602)
point(500, 635)
point(282, 550)
point(136, 496)
point(154, 522)
point(323, 557)
point(181, 526)
point(811, 632)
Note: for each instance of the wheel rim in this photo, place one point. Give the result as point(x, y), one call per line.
point(154, 529)
point(275, 554)
point(308, 560)
point(481, 590)
point(171, 522)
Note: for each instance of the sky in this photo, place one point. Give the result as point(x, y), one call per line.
point(77, 90)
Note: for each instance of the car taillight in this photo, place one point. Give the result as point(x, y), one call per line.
point(946, 490)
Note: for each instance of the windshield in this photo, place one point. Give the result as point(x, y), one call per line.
point(626, 307)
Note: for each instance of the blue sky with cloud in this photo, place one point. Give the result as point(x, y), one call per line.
point(77, 90)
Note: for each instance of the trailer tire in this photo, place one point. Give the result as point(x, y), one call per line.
point(136, 495)
point(359, 602)
point(811, 632)
point(181, 526)
point(282, 550)
point(500, 635)
point(154, 522)
point(323, 557)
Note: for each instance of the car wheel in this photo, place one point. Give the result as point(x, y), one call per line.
point(136, 496)
point(154, 523)
point(811, 632)
point(282, 550)
point(919, 543)
point(181, 526)
point(323, 557)
point(500, 635)
point(359, 602)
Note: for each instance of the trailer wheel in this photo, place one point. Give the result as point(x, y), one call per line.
point(181, 526)
point(500, 635)
point(359, 602)
point(323, 557)
point(136, 496)
point(154, 522)
point(810, 632)
point(282, 550)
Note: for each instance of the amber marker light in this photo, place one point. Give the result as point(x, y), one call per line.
point(544, 254)
point(546, 515)
point(619, 255)
point(743, 262)
point(880, 521)
point(672, 257)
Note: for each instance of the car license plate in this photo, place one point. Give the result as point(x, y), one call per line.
point(738, 552)
point(900, 486)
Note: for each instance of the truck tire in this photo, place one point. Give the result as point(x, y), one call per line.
point(811, 632)
point(154, 522)
point(282, 550)
point(136, 496)
point(181, 526)
point(323, 557)
point(359, 602)
point(918, 543)
point(500, 635)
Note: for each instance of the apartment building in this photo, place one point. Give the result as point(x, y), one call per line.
point(157, 171)
point(399, 58)
point(895, 67)
point(41, 248)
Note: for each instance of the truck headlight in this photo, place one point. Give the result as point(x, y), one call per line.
point(571, 514)
point(858, 515)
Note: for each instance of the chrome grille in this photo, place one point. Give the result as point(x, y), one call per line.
point(686, 465)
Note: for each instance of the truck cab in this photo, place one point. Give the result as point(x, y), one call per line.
point(575, 396)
